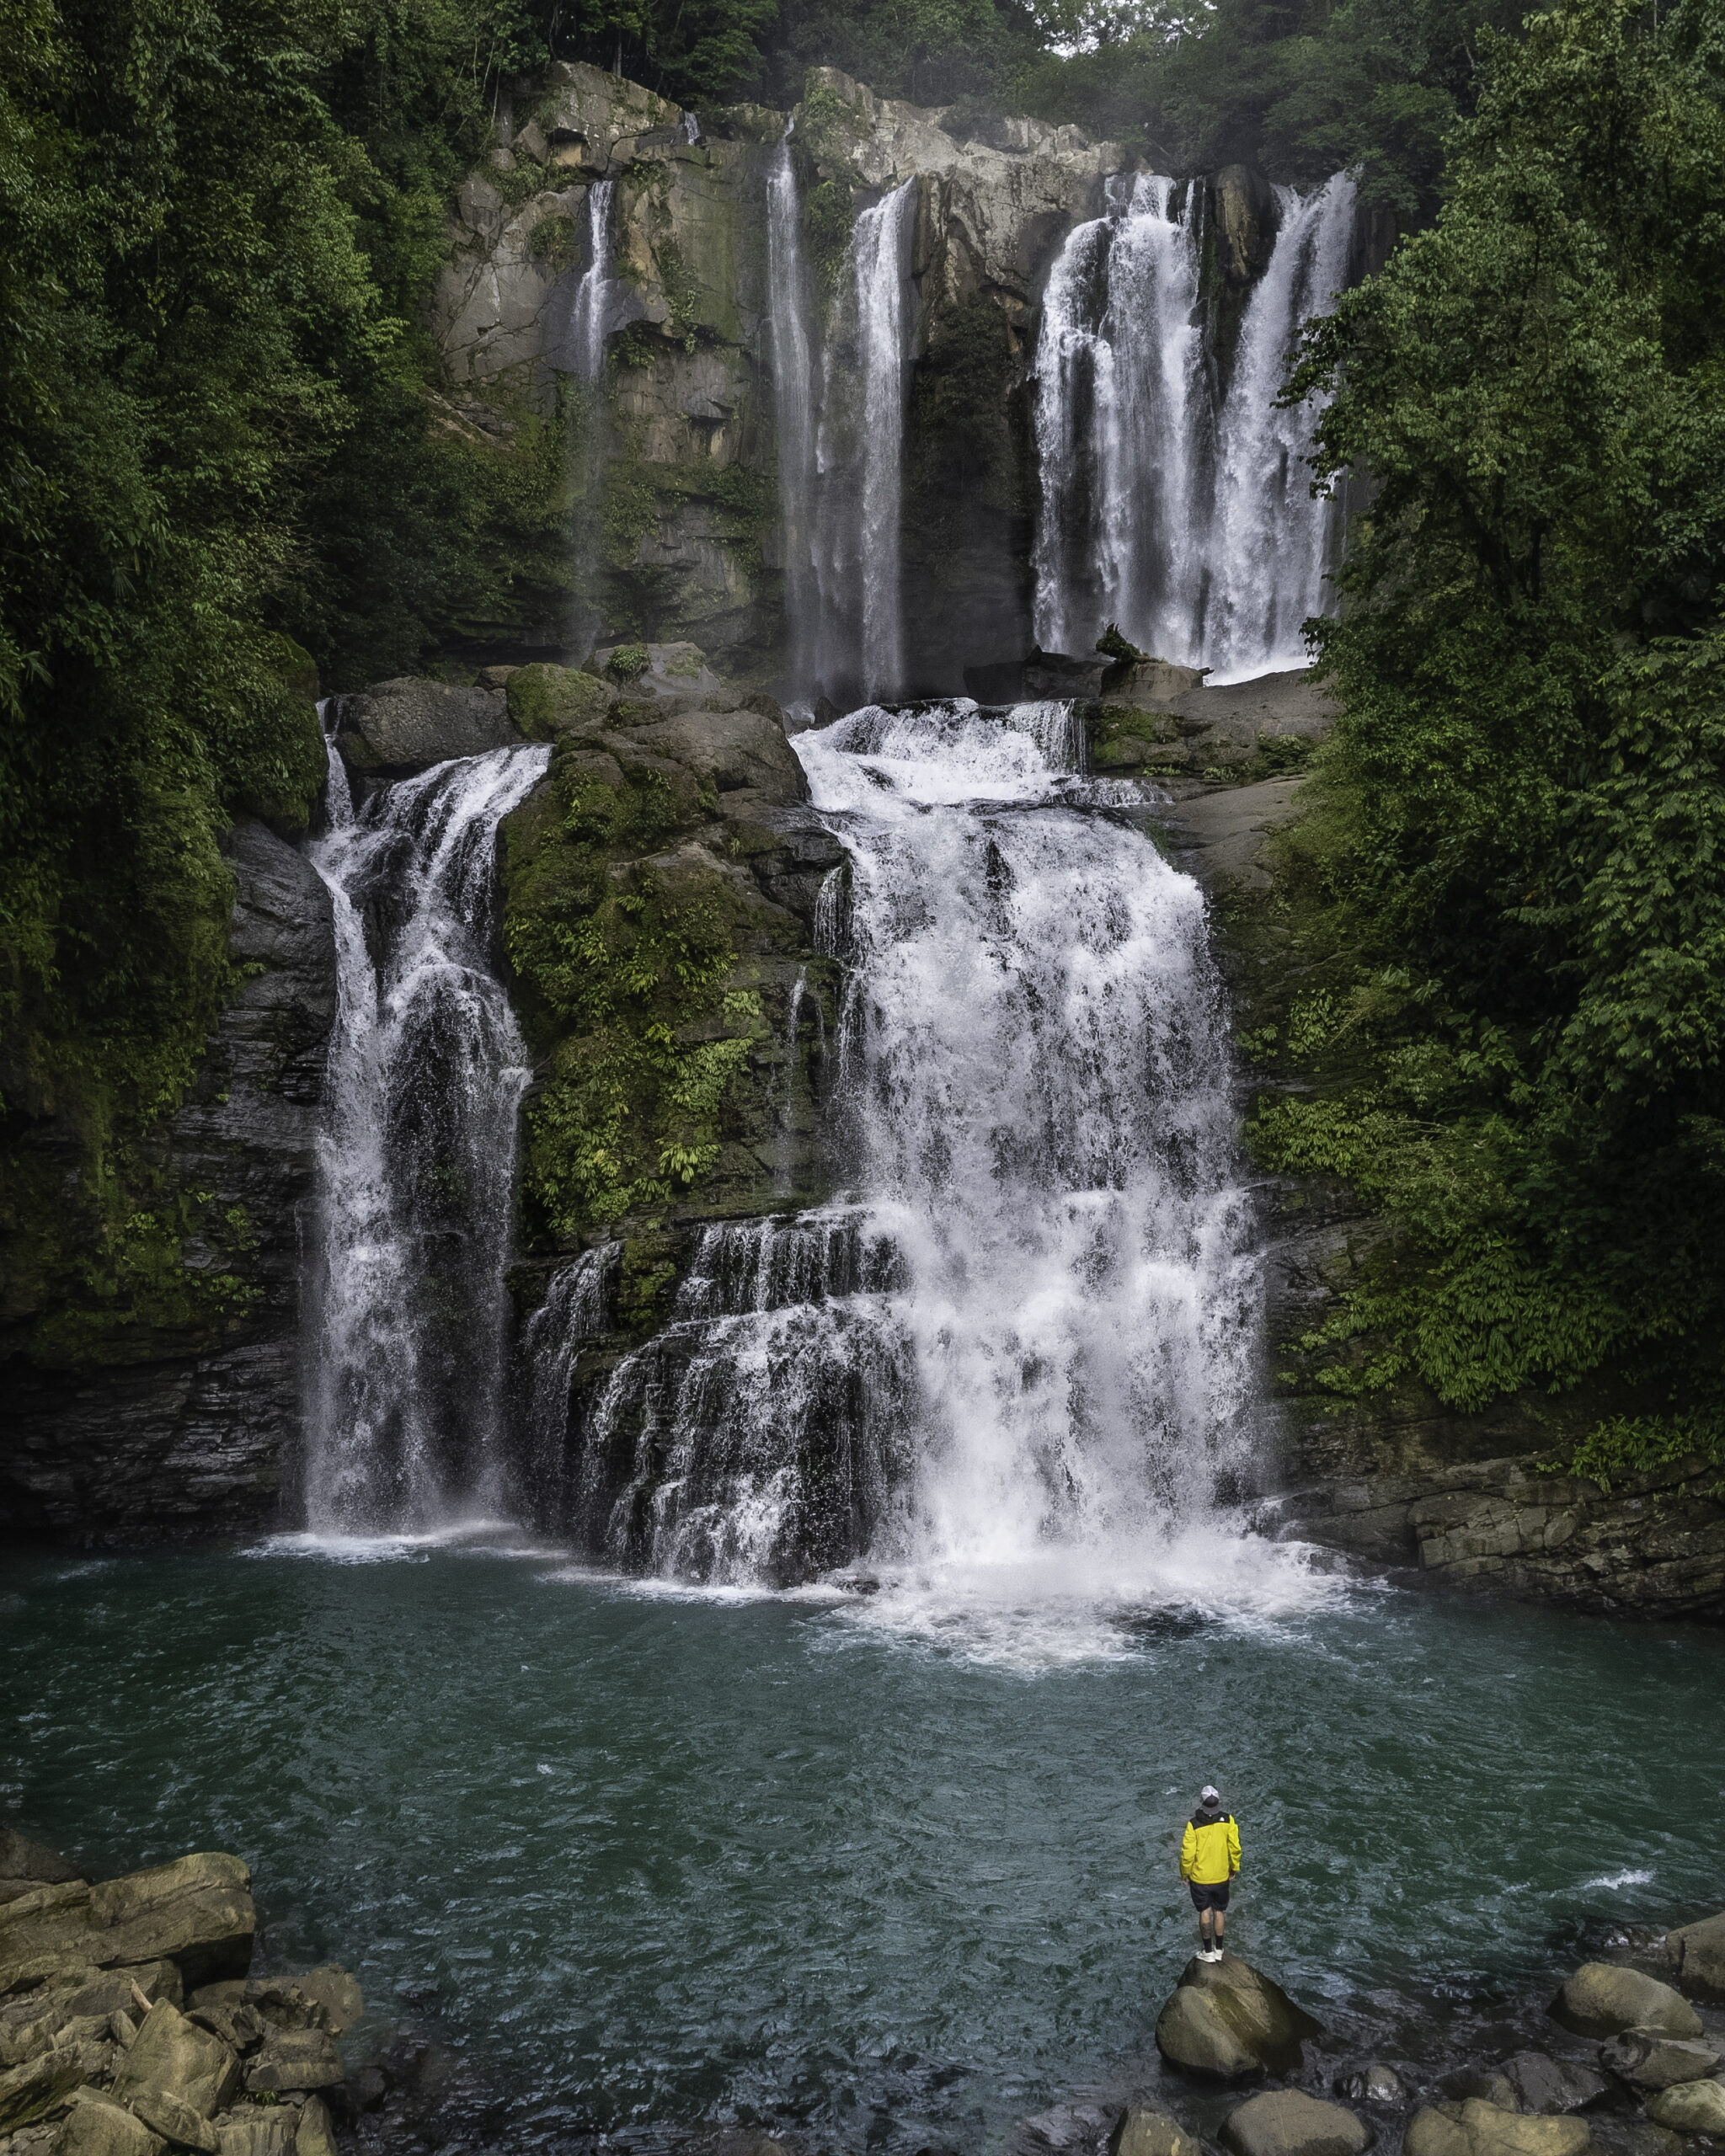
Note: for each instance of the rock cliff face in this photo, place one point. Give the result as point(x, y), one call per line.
point(673, 433)
point(190, 1426)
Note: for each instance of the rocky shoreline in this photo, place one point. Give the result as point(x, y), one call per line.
point(131, 2024)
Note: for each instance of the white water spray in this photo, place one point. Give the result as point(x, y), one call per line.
point(416, 1161)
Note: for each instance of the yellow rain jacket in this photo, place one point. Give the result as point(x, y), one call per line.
point(1209, 1851)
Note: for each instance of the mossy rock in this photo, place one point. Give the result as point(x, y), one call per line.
point(547, 701)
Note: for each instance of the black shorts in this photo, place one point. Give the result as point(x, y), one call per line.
point(1209, 1897)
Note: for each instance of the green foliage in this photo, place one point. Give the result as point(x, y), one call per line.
point(827, 219)
point(1112, 645)
point(628, 662)
point(1525, 793)
point(1628, 1445)
point(622, 970)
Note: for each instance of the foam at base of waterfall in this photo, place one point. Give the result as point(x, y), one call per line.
point(952, 751)
point(1049, 1609)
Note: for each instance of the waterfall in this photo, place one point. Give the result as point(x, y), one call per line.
point(859, 449)
point(1121, 419)
point(788, 315)
point(416, 1161)
point(1024, 1339)
point(1270, 542)
point(1195, 530)
point(590, 318)
point(574, 1310)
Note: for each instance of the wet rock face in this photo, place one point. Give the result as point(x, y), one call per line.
point(395, 728)
point(1477, 2128)
point(192, 1430)
point(1647, 2058)
point(1694, 2107)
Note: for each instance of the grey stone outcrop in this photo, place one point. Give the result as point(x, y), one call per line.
point(408, 724)
point(1695, 1953)
point(99, 2058)
point(1600, 1999)
point(1225, 2021)
point(1287, 2122)
point(1550, 2085)
point(191, 1432)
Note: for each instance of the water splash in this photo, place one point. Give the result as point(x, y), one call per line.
point(416, 1160)
point(575, 1310)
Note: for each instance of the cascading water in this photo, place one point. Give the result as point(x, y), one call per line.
point(589, 316)
point(1025, 1341)
point(1122, 425)
point(1270, 542)
point(416, 1162)
point(789, 316)
point(858, 451)
point(1195, 530)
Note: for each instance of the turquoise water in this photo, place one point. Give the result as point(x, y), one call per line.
point(654, 1859)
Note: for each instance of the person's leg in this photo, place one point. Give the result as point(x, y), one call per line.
point(1200, 1902)
point(1219, 1900)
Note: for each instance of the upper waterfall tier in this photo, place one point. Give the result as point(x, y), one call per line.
point(1177, 508)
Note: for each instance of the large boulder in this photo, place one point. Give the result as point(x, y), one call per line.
point(1477, 2128)
point(656, 670)
point(1691, 2107)
point(741, 756)
point(1695, 1953)
point(1602, 2000)
point(1226, 2019)
point(96, 2126)
point(1143, 2131)
point(196, 1912)
point(1647, 2058)
point(1287, 2122)
point(408, 724)
point(256, 2131)
point(172, 2055)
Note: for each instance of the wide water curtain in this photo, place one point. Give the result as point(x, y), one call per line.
point(417, 1160)
point(1193, 527)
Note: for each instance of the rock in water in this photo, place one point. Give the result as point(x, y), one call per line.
point(1648, 2059)
point(1550, 2085)
point(1696, 1955)
point(1601, 2000)
point(408, 724)
point(1480, 2129)
point(294, 2058)
point(317, 2133)
point(96, 2126)
point(1375, 2084)
point(1146, 2133)
point(174, 2057)
point(253, 2131)
point(1227, 2020)
point(1287, 2122)
point(1691, 2107)
point(25, 1865)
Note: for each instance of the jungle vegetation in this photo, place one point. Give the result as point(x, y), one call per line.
point(1522, 833)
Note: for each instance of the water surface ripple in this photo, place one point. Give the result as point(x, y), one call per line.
point(657, 1858)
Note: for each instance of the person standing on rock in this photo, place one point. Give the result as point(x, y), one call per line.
point(1209, 1857)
